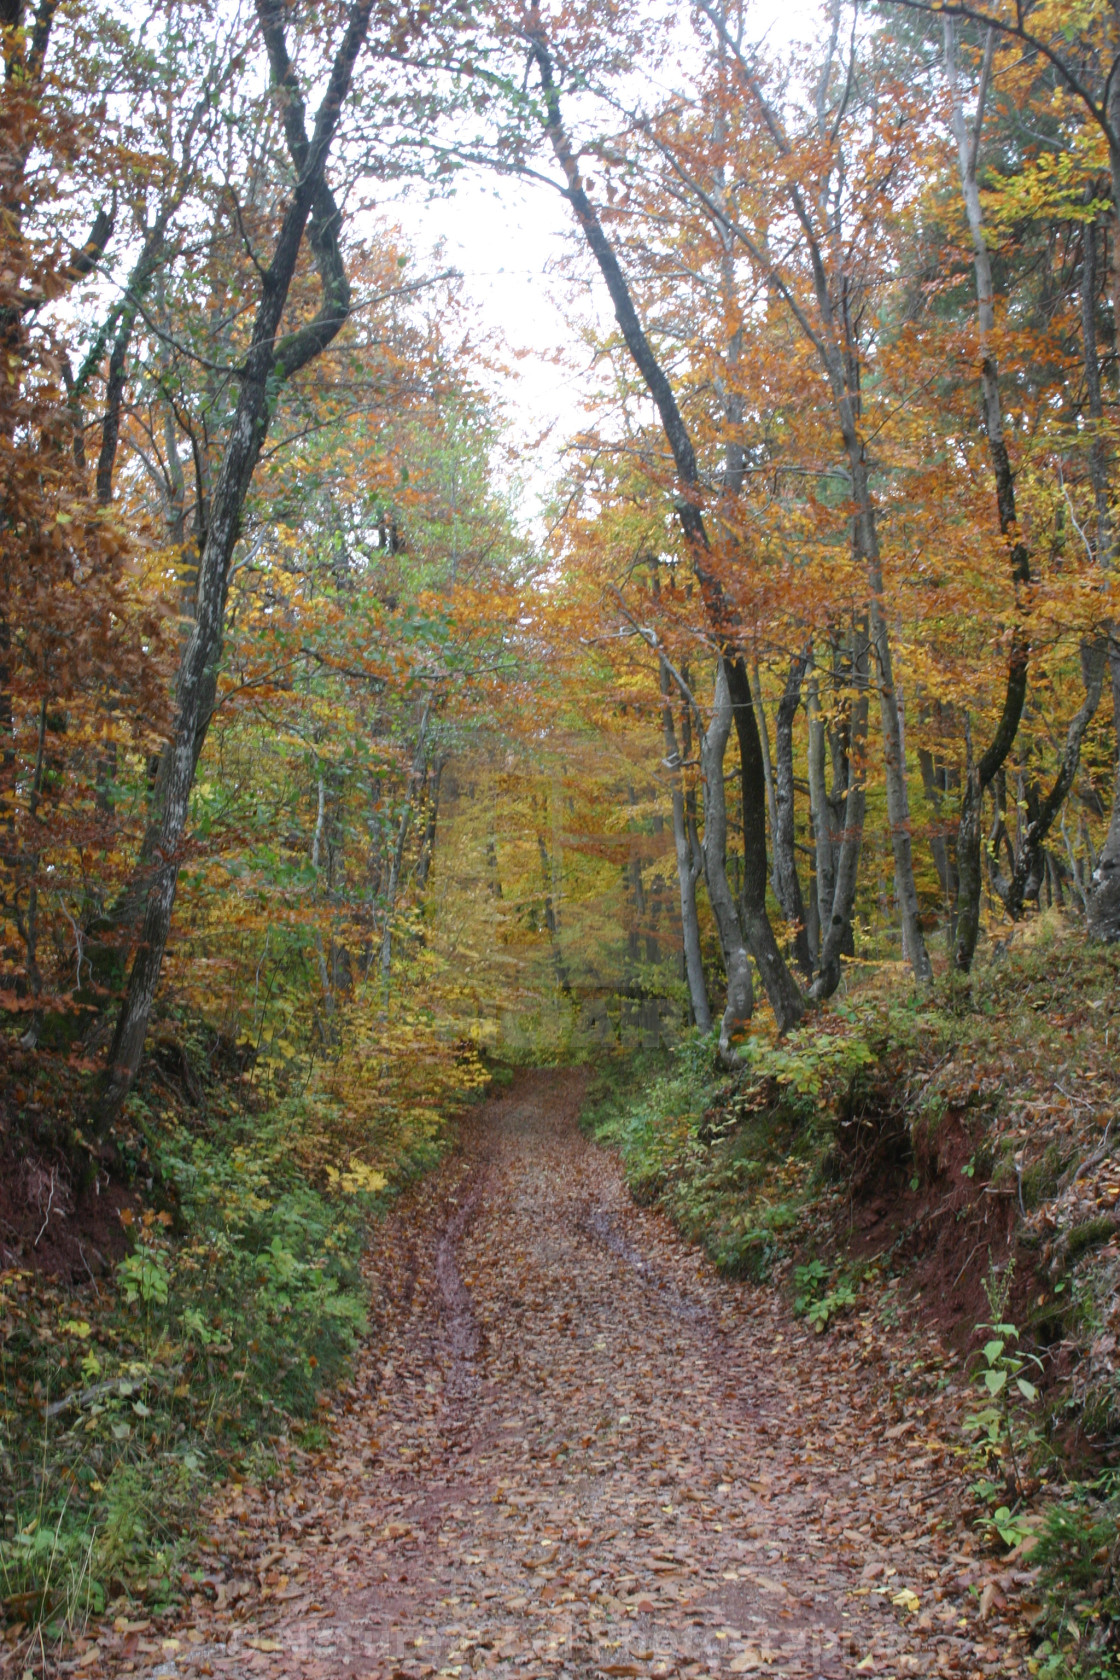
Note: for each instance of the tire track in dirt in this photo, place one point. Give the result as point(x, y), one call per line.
point(571, 1450)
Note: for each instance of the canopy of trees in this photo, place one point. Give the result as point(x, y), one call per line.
point(308, 728)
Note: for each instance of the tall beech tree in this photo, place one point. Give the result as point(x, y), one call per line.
point(781, 988)
point(979, 772)
point(829, 228)
point(273, 358)
point(1081, 52)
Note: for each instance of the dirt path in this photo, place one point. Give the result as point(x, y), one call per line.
point(572, 1450)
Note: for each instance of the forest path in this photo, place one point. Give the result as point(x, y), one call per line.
point(572, 1449)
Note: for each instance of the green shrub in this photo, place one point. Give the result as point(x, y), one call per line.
point(240, 1299)
point(1076, 1554)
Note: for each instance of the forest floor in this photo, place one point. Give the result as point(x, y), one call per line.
point(571, 1448)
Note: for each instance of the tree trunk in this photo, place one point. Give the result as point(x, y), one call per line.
point(689, 866)
point(781, 988)
point(1104, 897)
point(563, 979)
point(1028, 857)
point(780, 985)
point(415, 780)
point(428, 844)
point(269, 362)
point(740, 990)
point(836, 914)
point(787, 882)
point(935, 797)
point(980, 772)
point(768, 772)
point(824, 837)
point(894, 768)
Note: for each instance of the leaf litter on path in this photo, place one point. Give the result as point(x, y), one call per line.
point(570, 1449)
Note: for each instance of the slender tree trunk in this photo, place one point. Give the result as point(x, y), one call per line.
point(1104, 898)
point(980, 771)
point(270, 360)
point(836, 921)
point(551, 922)
point(894, 769)
point(138, 283)
point(939, 850)
point(494, 886)
point(1028, 855)
point(428, 845)
point(787, 880)
point(326, 1031)
point(740, 990)
point(824, 838)
point(689, 866)
point(781, 988)
point(768, 772)
point(28, 921)
point(415, 781)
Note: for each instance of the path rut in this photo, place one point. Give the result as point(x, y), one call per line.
point(572, 1450)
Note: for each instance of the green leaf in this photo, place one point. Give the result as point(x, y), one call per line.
point(992, 1351)
point(1026, 1389)
point(994, 1380)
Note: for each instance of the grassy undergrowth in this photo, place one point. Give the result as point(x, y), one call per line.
point(923, 1114)
point(237, 1303)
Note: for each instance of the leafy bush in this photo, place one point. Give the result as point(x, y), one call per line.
point(1077, 1554)
point(240, 1299)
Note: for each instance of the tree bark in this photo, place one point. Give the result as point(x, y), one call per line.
point(768, 772)
point(1028, 855)
point(780, 986)
point(270, 361)
point(935, 798)
point(689, 866)
point(979, 772)
point(787, 882)
point(428, 845)
point(1103, 904)
point(740, 990)
point(138, 282)
point(396, 865)
point(836, 914)
point(824, 837)
point(551, 922)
